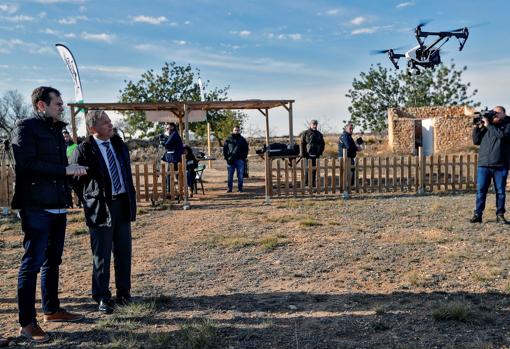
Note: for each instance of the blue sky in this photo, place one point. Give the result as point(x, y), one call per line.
point(309, 51)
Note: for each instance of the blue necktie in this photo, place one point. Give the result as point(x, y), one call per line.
point(113, 168)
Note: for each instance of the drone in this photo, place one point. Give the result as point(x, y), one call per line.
point(426, 56)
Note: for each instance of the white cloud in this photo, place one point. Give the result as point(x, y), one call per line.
point(42, 15)
point(102, 37)
point(174, 24)
point(50, 31)
point(244, 33)
point(114, 70)
point(358, 20)
point(19, 18)
point(180, 42)
point(371, 30)
point(150, 20)
point(293, 37)
point(8, 8)
point(4, 66)
point(60, 1)
point(332, 12)
point(32, 48)
point(405, 4)
point(187, 22)
point(82, 9)
point(72, 20)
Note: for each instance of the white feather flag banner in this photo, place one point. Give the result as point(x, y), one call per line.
point(68, 58)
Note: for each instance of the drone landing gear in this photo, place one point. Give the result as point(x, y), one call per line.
point(413, 71)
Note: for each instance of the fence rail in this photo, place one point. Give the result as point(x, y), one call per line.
point(291, 177)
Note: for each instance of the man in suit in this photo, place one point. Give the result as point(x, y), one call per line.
point(109, 202)
point(42, 195)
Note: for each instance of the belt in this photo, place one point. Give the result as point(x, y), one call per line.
point(119, 196)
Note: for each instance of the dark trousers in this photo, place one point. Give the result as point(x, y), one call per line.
point(103, 241)
point(43, 244)
point(484, 177)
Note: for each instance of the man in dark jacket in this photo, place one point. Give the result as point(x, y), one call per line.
point(346, 142)
point(312, 147)
point(109, 202)
point(235, 151)
point(173, 145)
point(493, 160)
point(42, 194)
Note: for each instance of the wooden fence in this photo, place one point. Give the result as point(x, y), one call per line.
point(150, 182)
point(373, 174)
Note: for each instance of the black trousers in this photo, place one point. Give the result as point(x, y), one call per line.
point(104, 241)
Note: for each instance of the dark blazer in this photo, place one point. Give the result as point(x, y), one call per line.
point(95, 189)
point(40, 154)
point(494, 142)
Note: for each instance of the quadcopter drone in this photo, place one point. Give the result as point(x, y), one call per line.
point(426, 56)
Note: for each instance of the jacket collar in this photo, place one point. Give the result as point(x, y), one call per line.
point(59, 125)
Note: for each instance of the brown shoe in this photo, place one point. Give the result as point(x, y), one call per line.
point(62, 315)
point(34, 333)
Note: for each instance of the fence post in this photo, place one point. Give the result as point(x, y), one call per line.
point(269, 179)
point(347, 175)
point(185, 205)
point(421, 165)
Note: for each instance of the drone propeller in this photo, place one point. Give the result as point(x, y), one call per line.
point(378, 52)
point(482, 24)
point(423, 23)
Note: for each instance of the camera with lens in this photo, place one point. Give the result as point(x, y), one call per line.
point(479, 115)
point(162, 139)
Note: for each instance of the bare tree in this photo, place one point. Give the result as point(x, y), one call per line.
point(12, 108)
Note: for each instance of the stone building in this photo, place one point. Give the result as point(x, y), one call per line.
point(436, 129)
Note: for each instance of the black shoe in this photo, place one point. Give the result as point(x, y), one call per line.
point(229, 190)
point(123, 300)
point(106, 306)
point(476, 219)
point(501, 219)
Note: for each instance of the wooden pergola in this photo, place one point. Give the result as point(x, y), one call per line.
point(182, 110)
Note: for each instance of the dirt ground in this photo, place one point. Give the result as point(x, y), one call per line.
point(374, 271)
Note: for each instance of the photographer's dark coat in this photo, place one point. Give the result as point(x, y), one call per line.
point(95, 189)
point(40, 153)
point(494, 142)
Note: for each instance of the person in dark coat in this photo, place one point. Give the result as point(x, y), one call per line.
point(109, 203)
point(42, 194)
point(235, 152)
point(312, 147)
point(493, 162)
point(191, 166)
point(346, 142)
point(173, 145)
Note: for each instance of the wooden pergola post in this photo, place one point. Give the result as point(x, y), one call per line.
point(209, 143)
point(73, 123)
point(186, 124)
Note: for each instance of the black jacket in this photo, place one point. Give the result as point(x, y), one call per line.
point(174, 148)
point(346, 142)
point(494, 142)
point(235, 148)
point(312, 144)
point(95, 189)
point(40, 154)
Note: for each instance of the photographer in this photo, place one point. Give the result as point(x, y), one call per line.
point(492, 134)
